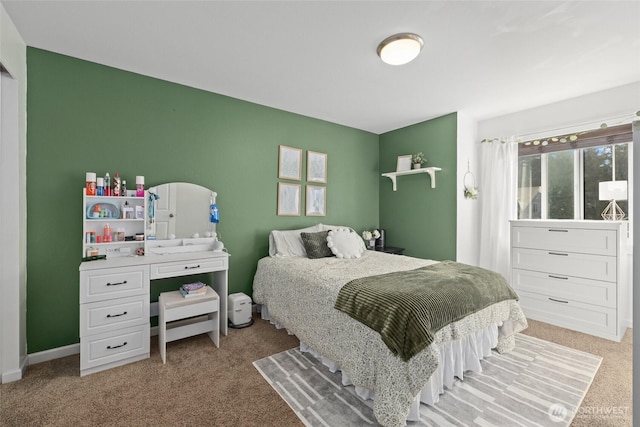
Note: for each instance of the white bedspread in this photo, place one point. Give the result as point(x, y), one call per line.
point(300, 294)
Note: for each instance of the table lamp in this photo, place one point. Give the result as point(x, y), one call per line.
point(612, 191)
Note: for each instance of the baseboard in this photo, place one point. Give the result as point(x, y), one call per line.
point(16, 374)
point(54, 353)
point(11, 376)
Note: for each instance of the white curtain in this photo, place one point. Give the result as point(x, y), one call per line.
point(498, 185)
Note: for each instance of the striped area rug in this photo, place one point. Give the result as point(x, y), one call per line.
point(538, 384)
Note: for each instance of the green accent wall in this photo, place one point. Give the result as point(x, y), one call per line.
point(87, 117)
point(417, 217)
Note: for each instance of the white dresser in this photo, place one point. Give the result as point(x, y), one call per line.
point(573, 274)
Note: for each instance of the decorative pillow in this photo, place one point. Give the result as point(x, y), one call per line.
point(345, 243)
point(316, 244)
point(288, 242)
point(334, 227)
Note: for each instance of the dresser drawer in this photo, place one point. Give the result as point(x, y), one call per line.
point(566, 288)
point(597, 242)
point(596, 267)
point(587, 318)
point(182, 268)
point(109, 315)
point(110, 283)
point(111, 347)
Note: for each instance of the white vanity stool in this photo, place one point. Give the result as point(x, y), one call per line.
point(181, 311)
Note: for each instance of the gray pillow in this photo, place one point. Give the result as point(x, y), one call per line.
point(316, 244)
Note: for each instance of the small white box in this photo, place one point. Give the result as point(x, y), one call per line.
point(239, 309)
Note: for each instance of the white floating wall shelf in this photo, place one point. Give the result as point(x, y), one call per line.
point(431, 171)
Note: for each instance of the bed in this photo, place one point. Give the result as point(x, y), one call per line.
point(299, 293)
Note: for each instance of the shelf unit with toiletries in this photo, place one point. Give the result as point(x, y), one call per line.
point(126, 227)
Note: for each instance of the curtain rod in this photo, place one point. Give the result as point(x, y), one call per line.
point(571, 129)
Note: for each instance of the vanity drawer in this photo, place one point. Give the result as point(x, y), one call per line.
point(596, 267)
point(112, 347)
point(561, 287)
point(109, 315)
point(591, 241)
point(182, 268)
point(110, 283)
point(587, 318)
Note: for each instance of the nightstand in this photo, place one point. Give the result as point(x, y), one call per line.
point(391, 250)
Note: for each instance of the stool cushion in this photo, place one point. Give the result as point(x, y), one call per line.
point(175, 299)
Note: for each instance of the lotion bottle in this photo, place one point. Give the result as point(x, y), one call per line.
point(107, 185)
point(116, 185)
point(139, 186)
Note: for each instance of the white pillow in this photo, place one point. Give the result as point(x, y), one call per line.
point(345, 243)
point(289, 242)
point(325, 227)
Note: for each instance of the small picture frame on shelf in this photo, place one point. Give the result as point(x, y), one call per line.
point(404, 163)
point(316, 167)
point(288, 199)
point(289, 163)
point(316, 200)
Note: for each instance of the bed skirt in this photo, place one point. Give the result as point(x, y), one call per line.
point(456, 358)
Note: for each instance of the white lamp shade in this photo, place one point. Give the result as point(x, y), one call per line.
point(400, 49)
point(613, 190)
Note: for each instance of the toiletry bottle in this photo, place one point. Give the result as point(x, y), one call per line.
point(116, 185)
point(214, 213)
point(107, 185)
point(100, 186)
point(139, 186)
point(90, 189)
point(123, 188)
point(107, 233)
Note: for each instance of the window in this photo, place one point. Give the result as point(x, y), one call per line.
point(560, 180)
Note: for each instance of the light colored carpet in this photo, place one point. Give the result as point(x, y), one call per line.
point(229, 391)
point(538, 384)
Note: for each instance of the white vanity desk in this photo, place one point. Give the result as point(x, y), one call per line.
point(115, 306)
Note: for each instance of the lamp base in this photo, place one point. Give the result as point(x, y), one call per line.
point(613, 212)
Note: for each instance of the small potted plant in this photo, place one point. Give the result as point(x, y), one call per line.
point(370, 237)
point(418, 160)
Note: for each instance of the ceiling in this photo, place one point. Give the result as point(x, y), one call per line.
point(318, 58)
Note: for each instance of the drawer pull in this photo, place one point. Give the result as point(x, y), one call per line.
point(117, 283)
point(558, 277)
point(557, 300)
point(186, 267)
point(116, 315)
point(116, 346)
point(558, 253)
point(559, 230)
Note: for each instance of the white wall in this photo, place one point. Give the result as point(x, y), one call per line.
point(13, 266)
point(468, 211)
point(585, 112)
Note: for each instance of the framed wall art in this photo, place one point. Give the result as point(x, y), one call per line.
point(316, 167)
point(288, 199)
point(404, 163)
point(290, 163)
point(316, 200)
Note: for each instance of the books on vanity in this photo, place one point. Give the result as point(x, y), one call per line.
point(193, 289)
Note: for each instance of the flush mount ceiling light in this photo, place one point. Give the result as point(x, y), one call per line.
point(400, 48)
